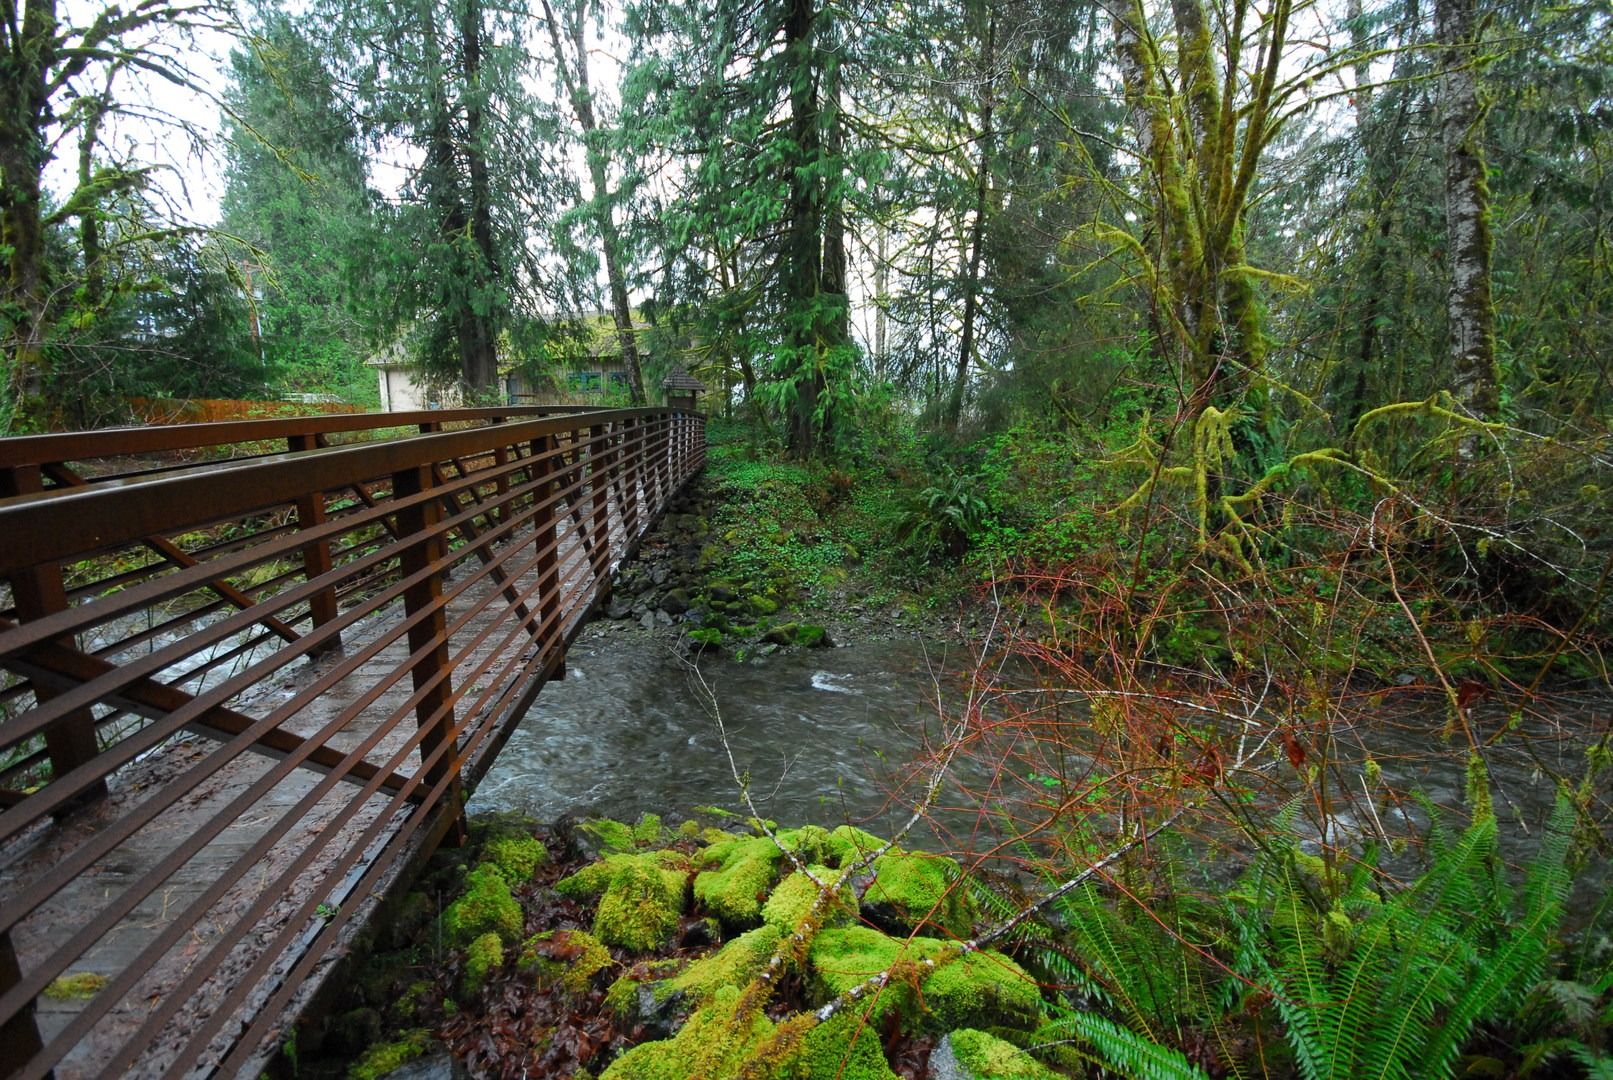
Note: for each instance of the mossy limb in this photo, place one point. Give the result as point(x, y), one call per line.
point(796, 894)
point(848, 844)
point(914, 889)
point(484, 957)
point(930, 985)
point(735, 964)
point(486, 907)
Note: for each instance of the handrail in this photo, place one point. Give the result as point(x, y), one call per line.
point(21, 450)
point(348, 634)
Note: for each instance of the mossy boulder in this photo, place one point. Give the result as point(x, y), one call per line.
point(516, 857)
point(983, 988)
point(486, 907)
point(782, 634)
point(717, 1042)
point(484, 957)
point(967, 1054)
point(571, 958)
point(741, 876)
point(641, 897)
point(849, 844)
point(795, 895)
point(914, 890)
point(389, 1057)
point(812, 637)
point(845, 1047)
point(735, 964)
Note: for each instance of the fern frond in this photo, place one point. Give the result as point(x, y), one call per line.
point(1122, 1050)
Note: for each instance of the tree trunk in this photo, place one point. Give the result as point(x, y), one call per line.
point(574, 72)
point(1474, 379)
point(478, 343)
point(800, 269)
point(977, 231)
point(23, 154)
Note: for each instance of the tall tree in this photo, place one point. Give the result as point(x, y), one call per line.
point(568, 39)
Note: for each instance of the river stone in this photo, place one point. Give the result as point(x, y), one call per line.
point(619, 608)
point(944, 1064)
point(675, 602)
point(647, 620)
point(662, 618)
point(659, 575)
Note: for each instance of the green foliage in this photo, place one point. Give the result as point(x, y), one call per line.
point(942, 519)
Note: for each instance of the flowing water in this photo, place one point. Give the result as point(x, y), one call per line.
point(820, 734)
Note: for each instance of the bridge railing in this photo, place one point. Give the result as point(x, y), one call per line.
point(238, 697)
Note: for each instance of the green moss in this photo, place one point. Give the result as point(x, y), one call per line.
point(486, 907)
point(611, 835)
point(516, 857)
point(643, 895)
point(923, 889)
point(716, 1043)
point(795, 895)
point(735, 964)
point(847, 1047)
point(810, 843)
point(569, 957)
point(849, 844)
point(389, 1057)
point(979, 988)
point(811, 637)
point(738, 886)
point(648, 829)
point(75, 987)
point(484, 957)
point(408, 1003)
point(986, 1057)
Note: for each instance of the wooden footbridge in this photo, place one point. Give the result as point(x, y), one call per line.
point(248, 673)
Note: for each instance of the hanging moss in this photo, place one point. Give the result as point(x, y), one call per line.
point(986, 1057)
point(643, 895)
point(569, 957)
point(484, 957)
point(915, 889)
point(486, 907)
point(795, 895)
point(979, 988)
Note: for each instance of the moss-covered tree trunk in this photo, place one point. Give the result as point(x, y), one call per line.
point(977, 229)
point(1475, 381)
point(24, 96)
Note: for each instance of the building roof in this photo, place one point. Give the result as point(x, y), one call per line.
point(682, 380)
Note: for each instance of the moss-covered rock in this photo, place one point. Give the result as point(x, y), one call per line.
point(911, 890)
point(516, 857)
point(642, 897)
point(795, 895)
point(389, 1057)
point(608, 835)
point(715, 1044)
point(648, 829)
point(484, 957)
point(75, 987)
point(846, 1047)
point(486, 907)
point(976, 1055)
point(741, 876)
point(735, 964)
point(848, 844)
point(569, 957)
point(982, 988)
point(812, 637)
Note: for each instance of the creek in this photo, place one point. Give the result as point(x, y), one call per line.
point(822, 732)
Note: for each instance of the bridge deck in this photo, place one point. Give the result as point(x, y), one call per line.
point(257, 811)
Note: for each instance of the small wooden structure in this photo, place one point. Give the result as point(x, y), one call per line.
point(682, 390)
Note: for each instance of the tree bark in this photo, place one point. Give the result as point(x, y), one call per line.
point(800, 268)
point(1474, 379)
point(977, 230)
point(24, 97)
point(574, 73)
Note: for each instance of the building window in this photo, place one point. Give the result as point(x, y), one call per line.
point(584, 382)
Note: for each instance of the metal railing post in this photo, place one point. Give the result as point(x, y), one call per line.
point(599, 490)
point(630, 477)
point(421, 549)
point(316, 559)
point(38, 591)
point(545, 539)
